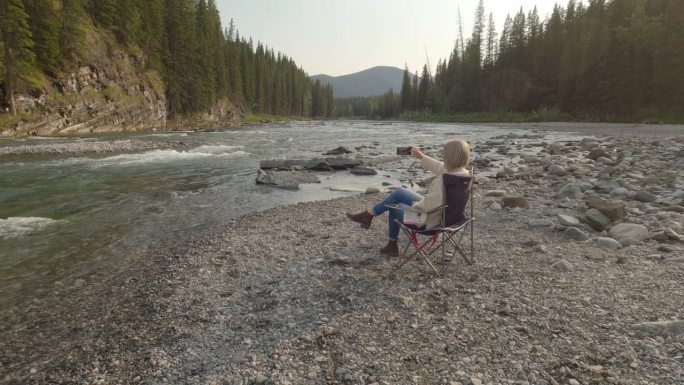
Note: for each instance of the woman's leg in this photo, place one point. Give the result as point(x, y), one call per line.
point(397, 196)
point(394, 215)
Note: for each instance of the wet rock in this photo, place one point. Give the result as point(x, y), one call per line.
point(372, 190)
point(596, 219)
point(629, 230)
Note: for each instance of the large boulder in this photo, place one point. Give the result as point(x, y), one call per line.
point(614, 210)
point(629, 230)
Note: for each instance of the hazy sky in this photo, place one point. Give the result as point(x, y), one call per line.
point(337, 37)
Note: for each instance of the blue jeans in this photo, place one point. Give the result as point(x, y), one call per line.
point(400, 197)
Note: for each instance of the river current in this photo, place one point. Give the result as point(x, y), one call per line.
point(66, 220)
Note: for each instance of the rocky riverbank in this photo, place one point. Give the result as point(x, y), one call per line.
point(578, 251)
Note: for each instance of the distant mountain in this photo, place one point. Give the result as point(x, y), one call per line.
point(371, 82)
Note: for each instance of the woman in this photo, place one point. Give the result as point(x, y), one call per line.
point(456, 158)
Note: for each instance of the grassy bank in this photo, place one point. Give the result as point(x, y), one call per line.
point(542, 115)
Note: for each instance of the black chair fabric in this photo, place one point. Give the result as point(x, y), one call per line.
point(456, 194)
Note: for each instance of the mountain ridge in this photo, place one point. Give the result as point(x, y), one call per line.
point(369, 82)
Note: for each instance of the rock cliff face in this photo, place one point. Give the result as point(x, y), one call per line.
point(112, 93)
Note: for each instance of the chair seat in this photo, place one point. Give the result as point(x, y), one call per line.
point(436, 230)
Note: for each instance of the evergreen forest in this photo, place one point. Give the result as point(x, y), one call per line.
point(200, 61)
point(613, 60)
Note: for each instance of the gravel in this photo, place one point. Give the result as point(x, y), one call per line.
point(300, 295)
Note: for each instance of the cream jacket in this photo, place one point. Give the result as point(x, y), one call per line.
point(435, 191)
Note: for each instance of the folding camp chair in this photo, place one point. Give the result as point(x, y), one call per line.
point(458, 190)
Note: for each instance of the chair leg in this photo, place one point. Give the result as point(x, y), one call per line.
point(410, 257)
point(425, 257)
point(443, 253)
point(460, 251)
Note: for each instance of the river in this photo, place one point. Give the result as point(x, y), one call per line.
point(66, 220)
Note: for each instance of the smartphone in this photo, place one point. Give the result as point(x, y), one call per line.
point(403, 150)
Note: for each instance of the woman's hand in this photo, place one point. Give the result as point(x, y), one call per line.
point(416, 153)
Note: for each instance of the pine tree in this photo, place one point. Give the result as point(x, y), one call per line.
point(103, 12)
point(45, 30)
point(20, 71)
point(490, 50)
point(216, 43)
point(204, 56)
point(153, 33)
point(128, 23)
point(406, 91)
point(414, 93)
point(424, 89)
point(72, 31)
point(669, 60)
point(182, 72)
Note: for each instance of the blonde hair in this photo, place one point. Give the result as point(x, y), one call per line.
point(456, 154)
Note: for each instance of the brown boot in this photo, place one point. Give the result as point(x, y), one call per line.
point(365, 218)
point(391, 249)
